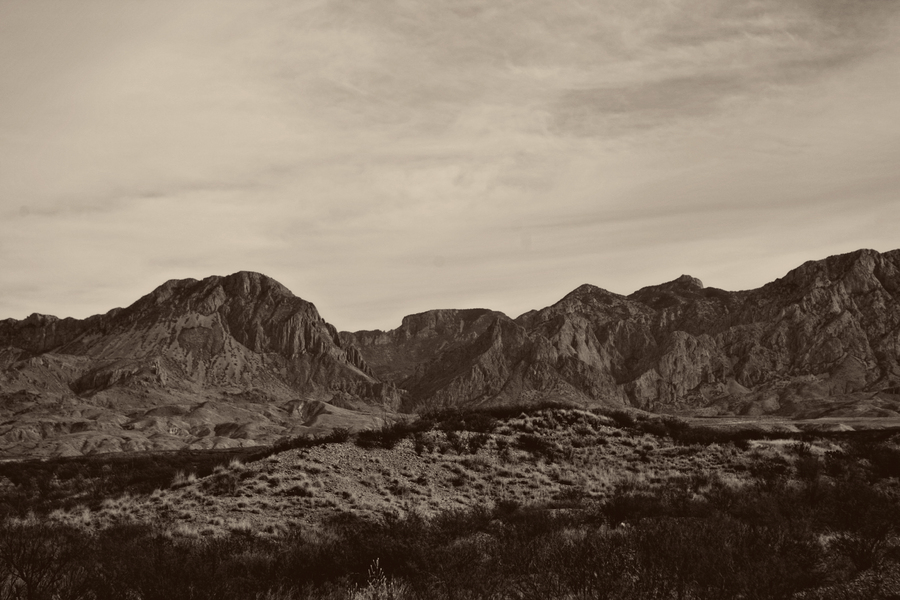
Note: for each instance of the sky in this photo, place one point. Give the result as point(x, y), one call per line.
point(386, 157)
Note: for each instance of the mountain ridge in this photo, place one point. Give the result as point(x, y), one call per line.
point(189, 343)
point(680, 345)
point(824, 338)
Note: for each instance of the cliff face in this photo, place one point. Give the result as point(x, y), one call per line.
point(243, 355)
point(396, 355)
point(222, 340)
point(816, 339)
point(244, 331)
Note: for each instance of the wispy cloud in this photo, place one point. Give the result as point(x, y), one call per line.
point(379, 156)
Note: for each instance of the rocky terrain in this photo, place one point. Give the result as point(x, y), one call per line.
point(824, 340)
point(240, 360)
point(214, 363)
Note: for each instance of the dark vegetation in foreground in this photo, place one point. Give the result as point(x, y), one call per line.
point(40, 486)
point(762, 542)
point(826, 523)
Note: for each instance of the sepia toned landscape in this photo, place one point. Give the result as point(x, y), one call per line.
point(540, 502)
point(240, 360)
point(218, 439)
point(449, 300)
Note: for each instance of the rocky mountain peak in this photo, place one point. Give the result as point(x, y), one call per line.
point(686, 282)
point(197, 334)
point(442, 320)
point(684, 289)
point(589, 290)
point(39, 319)
point(683, 284)
point(825, 337)
point(401, 354)
point(858, 264)
point(207, 295)
point(249, 284)
point(588, 296)
point(834, 284)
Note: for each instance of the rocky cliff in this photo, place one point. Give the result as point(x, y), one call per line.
point(240, 359)
point(188, 342)
point(821, 340)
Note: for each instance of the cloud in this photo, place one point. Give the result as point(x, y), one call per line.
point(388, 156)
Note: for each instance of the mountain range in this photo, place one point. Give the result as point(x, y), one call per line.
point(240, 360)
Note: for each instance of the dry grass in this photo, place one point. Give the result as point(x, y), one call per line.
point(559, 457)
point(552, 504)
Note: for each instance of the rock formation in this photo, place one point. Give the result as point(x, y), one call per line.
point(240, 359)
point(186, 343)
point(819, 339)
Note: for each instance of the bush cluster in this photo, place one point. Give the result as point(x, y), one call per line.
point(40, 486)
point(758, 542)
point(537, 445)
point(388, 435)
point(798, 523)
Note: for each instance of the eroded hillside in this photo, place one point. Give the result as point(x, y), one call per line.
point(239, 360)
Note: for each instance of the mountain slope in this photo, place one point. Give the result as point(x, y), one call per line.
point(240, 360)
point(824, 338)
point(230, 341)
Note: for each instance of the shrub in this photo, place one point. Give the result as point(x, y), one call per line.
point(300, 490)
point(224, 481)
point(338, 435)
point(655, 427)
point(387, 436)
point(182, 480)
point(479, 422)
point(537, 445)
point(41, 561)
point(801, 449)
point(379, 586)
point(623, 419)
point(478, 441)
point(808, 467)
point(570, 497)
point(706, 436)
point(285, 444)
point(836, 463)
point(423, 442)
point(885, 459)
point(457, 442)
point(865, 519)
point(506, 506)
point(722, 558)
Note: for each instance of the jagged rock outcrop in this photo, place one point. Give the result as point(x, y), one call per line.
point(820, 336)
point(395, 355)
point(243, 330)
point(189, 341)
point(230, 358)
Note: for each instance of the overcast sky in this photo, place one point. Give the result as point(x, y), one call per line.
point(386, 157)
